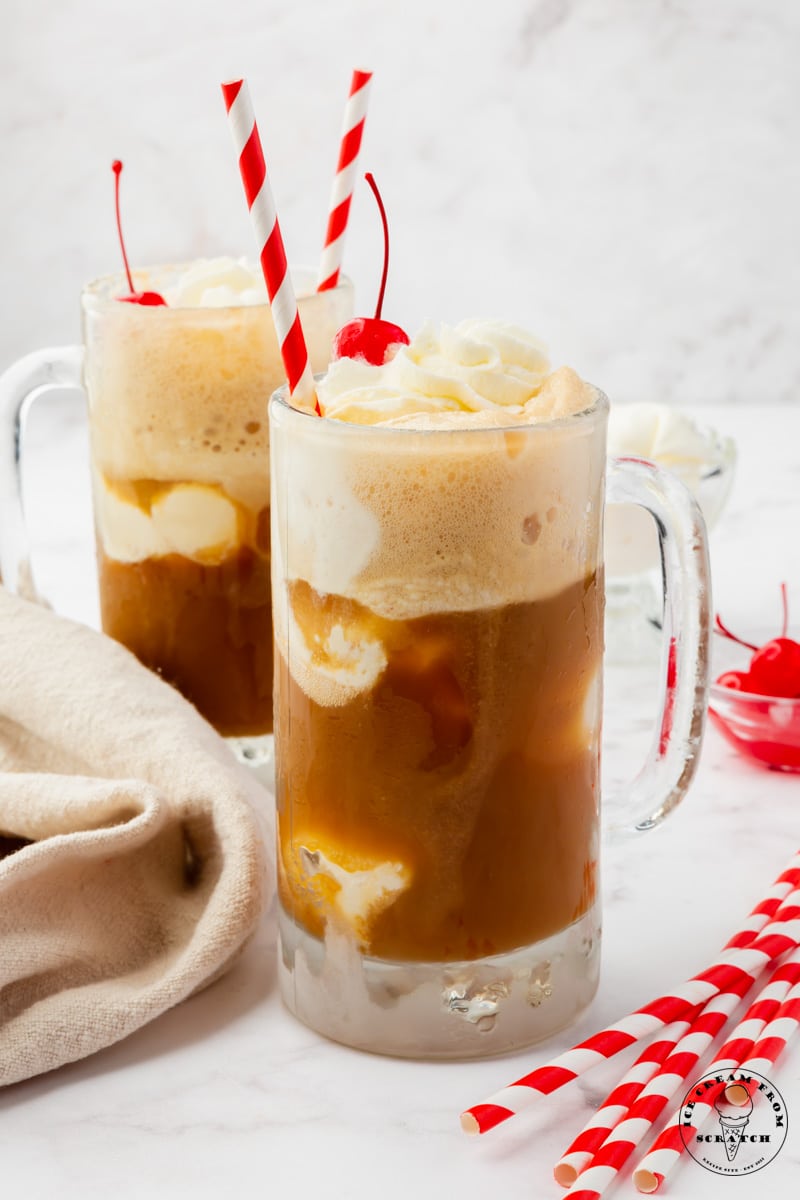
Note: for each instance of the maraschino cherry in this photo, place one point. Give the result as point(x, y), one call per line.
point(774, 667)
point(151, 298)
point(371, 338)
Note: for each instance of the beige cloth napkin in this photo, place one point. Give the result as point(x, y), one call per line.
point(132, 870)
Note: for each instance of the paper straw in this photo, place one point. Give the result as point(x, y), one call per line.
point(581, 1151)
point(355, 115)
point(772, 1019)
point(733, 966)
point(649, 1105)
point(786, 882)
point(272, 255)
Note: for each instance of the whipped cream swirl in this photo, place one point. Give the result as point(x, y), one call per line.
point(477, 367)
point(217, 283)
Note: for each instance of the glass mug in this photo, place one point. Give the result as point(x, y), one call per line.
point(179, 437)
point(438, 607)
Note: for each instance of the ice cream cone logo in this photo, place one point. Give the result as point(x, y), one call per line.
point(734, 1108)
point(750, 1126)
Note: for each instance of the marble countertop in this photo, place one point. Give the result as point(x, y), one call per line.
point(227, 1093)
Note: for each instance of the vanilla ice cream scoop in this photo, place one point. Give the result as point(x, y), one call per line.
point(361, 895)
point(662, 434)
point(194, 520)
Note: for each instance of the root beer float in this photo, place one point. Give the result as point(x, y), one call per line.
point(180, 463)
point(438, 619)
point(178, 369)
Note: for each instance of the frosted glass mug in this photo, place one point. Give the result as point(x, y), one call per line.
point(177, 406)
point(438, 607)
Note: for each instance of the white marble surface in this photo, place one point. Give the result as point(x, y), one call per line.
point(621, 175)
point(228, 1094)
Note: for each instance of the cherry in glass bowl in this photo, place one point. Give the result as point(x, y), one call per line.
point(763, 728)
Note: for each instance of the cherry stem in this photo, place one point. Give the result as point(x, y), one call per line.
point(785, 602)
point(723, 629)
point(116, 167)
point(370, 178)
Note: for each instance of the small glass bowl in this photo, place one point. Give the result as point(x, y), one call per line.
point(765, 729)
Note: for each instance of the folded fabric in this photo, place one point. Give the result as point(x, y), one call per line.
point(132, 869)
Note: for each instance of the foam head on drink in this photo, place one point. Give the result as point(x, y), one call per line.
point(180, 457)
point(438, 622)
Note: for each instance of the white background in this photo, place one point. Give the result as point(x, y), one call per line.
point(622, 176)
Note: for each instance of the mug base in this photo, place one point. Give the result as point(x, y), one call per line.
point(452, 1010)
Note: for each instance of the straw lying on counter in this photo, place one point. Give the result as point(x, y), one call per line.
point(624, 1137)
point(696, 1012)
point(772, 1018)
point(645, 1111)
point(780, 935)
point(580, 1153)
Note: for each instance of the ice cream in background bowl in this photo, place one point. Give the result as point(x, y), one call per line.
point(702, 458)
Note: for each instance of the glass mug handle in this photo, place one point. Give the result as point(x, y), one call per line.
point(29, 377)
point(673, 756)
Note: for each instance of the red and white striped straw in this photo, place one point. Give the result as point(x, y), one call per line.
point(581, 1151)
point(772, 1019)
point(646, 1109)
point(733, 966)
point(355, 114)
point(272, 255)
